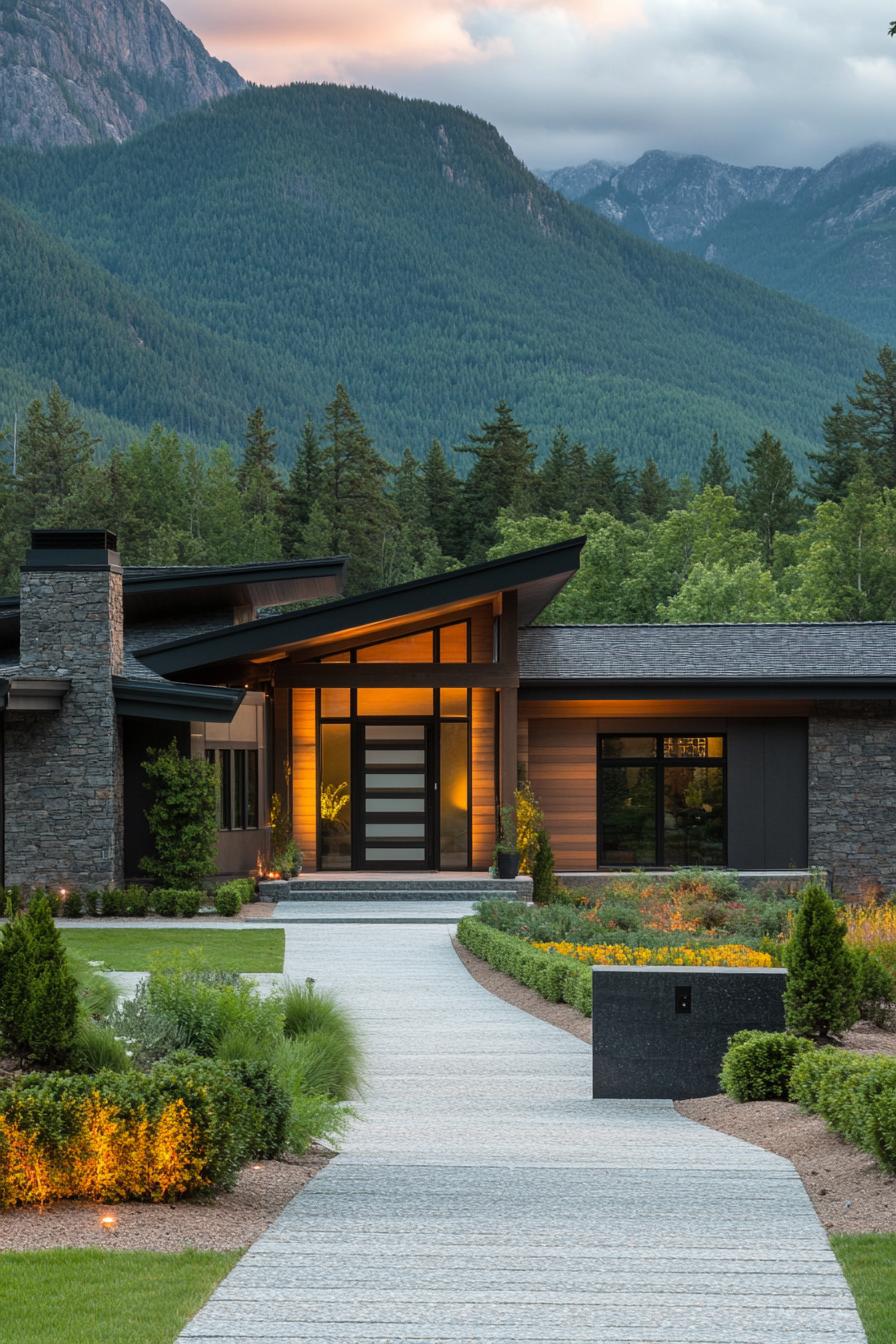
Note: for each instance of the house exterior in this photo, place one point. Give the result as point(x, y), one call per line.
point(395, 724)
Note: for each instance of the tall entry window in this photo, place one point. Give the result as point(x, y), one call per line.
point(661, 800)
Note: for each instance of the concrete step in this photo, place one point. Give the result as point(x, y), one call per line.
point(322, 889)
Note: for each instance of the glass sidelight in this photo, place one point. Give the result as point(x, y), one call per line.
point(395, 767)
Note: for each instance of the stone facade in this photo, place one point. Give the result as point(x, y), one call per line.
point(64, 770)
point(852, 793)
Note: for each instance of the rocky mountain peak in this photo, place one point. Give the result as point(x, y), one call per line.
point(74, 72)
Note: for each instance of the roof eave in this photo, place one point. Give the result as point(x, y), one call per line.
point(185, 703)
point(708, 688)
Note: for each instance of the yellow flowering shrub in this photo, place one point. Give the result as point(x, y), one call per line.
point(869, 924)
point(617, 954)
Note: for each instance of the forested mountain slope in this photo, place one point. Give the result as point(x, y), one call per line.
point(826, 236)
point(73, 72)
point(314, 234)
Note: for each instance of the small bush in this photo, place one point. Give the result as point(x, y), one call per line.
point(875, 987)
point(38, 993)
point(92, 902)
point(268, 1108)
point(188, 903)
point(543, 882)
point(758, 1064)
point(72, 905)
point(330, 1046)
point(182, 817)
point(164, 901)
point(558, 979)
point(136, 902)
point(228, 900)
point(113, 903)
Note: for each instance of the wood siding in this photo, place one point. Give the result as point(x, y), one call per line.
point(304, 776)
point(563, 773)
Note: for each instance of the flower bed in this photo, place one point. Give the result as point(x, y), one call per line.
point(618, 954)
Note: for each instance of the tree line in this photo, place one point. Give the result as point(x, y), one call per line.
point(763, 547)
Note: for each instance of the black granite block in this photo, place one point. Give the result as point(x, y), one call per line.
point(661, 1031)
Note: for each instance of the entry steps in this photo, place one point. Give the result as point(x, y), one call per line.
point(408, 889)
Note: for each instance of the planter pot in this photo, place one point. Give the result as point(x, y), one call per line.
point(508, 864)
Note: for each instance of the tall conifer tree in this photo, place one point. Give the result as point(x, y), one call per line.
point(769, 496)
point(654, 493)
point(502, 477)
point(301, 490)
point(837, 463)
point(442, 499)
point(54, 455)
point(874, 403)
point(716, 469)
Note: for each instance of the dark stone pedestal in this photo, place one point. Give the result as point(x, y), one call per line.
point(661, 1031)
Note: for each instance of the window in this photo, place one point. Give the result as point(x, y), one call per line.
point(238, 794)
point(661, 800)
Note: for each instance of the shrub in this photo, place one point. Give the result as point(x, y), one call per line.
point(11, 900)
point(620, 954)
point(758, 1064)
point(875, 987)
point(92, 902)
point(113, 903)
point(72, 905)
point(187, 1125)
point(331, 1051)
point(182, 817)
point(187, 903)
point(543, 882)
point(136, 902)
point(820, 997)
point(228, 899)
point(268, 1108)
point(529, 823)
point(38, 993)
point(164, 901)
point(855, 1094)
point(557, 979)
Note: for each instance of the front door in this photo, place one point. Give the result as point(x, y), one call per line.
point(394, 824)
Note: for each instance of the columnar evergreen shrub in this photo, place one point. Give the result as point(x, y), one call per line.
point(820, 997)
point(38, 993)
point(543, 884)
point(758, 1064)
point(182, 817)
point(875, 987)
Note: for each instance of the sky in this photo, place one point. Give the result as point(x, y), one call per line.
point(747, 81)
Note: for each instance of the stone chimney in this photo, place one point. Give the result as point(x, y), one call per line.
point(63, 801)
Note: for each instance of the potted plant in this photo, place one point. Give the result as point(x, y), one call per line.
point(507, 856)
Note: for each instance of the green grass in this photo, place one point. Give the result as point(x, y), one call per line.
point(869, 1263)
point(136, 949)
point(117, 1297)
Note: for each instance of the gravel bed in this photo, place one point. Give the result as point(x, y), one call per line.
point(511, 991)
point(228, 1221)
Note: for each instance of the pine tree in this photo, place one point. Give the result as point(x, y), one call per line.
point(16, 973)
point(837, 463)
point(301, 490)
point(654, 494)
point(443, 494)
point(502, 477)
point(874, 402)
point(554, 476)
point(352, 515)
point(413, 549)
point(259, 450)
point(820, 997)
point(606, 484)
point(716, 469)
point(54, 454)
point(580, 487)
point(260, 484)
point(768, 495)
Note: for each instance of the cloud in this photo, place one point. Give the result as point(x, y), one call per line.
point(774, 81)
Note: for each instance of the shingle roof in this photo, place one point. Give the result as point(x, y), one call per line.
point(690, 652)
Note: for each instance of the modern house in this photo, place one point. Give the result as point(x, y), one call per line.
point(396, 723)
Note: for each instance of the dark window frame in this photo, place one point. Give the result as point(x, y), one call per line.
point(238, 794)
point(658, 762)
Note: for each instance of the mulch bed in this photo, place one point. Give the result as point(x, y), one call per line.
point(228, 1221)
point(848, 1189)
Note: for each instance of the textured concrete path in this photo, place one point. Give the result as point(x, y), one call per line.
point(483, 1196)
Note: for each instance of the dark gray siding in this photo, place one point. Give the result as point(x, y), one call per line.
point(768, 793)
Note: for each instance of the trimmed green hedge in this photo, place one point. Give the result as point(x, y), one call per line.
point(855, 1094)
point(758, 1064)
point(556, 978)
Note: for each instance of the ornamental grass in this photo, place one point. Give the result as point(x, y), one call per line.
point(617, 954)
point(873, 926)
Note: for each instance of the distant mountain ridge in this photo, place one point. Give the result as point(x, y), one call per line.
point(75, 72)
point(825, 235)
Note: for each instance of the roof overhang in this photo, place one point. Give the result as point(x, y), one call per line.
point(710, 688)
point(536, 576)
point(141, 698)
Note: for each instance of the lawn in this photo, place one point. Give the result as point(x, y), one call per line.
point(869, 1263)
point(119, 1297)
point(135, 949)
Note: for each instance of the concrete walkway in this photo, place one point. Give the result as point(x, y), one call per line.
point(483, 1196)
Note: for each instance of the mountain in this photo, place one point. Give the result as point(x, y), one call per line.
point(576, 182)
point(826, 236)
point(298, 236)
point(74, 72)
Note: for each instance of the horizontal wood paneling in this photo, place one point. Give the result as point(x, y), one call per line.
point(304, 776)
point(563, 774)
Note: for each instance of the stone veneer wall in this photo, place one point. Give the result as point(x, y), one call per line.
point(852, 793)
point(64, 783)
